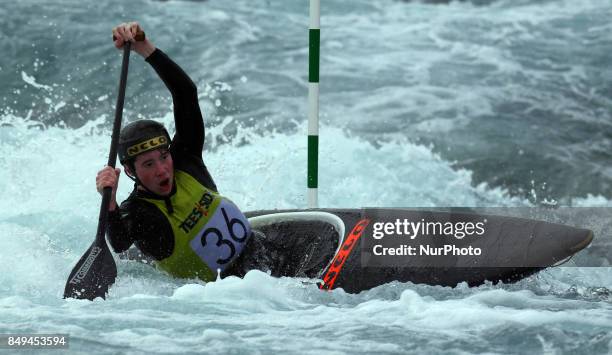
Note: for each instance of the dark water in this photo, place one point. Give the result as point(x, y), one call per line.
point(518, 93)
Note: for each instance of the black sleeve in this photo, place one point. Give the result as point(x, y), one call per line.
point(189, 136)
point(117, 231)
point(188, 143)
point(142, 225)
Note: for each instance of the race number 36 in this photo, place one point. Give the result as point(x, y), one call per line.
point(223, 237)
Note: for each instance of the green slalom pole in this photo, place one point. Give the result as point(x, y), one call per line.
point(313, 102)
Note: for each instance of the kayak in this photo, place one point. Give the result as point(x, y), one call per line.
point(510, 248)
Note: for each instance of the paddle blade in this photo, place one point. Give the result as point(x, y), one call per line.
point(93, 274)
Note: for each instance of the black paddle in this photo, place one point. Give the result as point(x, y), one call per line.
point(96, 270)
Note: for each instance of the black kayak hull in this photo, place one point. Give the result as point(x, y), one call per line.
point(517, 247)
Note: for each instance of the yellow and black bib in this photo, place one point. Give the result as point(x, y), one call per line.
point(209, 230)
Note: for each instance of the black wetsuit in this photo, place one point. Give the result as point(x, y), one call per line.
point(141, 223)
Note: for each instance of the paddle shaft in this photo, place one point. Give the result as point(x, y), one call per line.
point(112, 157)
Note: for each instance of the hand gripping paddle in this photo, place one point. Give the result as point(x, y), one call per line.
point(96, 270)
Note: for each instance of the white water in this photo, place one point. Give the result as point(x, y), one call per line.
point(49, 214)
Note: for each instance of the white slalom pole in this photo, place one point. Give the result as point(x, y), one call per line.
point(313, 102)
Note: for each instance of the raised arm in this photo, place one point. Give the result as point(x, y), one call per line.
point(187, 114)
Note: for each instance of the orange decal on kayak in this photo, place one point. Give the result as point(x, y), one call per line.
point(345, 250)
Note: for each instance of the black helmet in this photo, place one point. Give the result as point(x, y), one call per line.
point(139, 137)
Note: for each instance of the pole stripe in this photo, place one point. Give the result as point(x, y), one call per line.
point(313, 60)
point(312, 198)
point(313, 112)
point(313, 161)
point(315, 13)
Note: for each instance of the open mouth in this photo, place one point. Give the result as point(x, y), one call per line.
point(165, 183)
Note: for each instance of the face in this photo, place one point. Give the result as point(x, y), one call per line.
point(155, 170)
